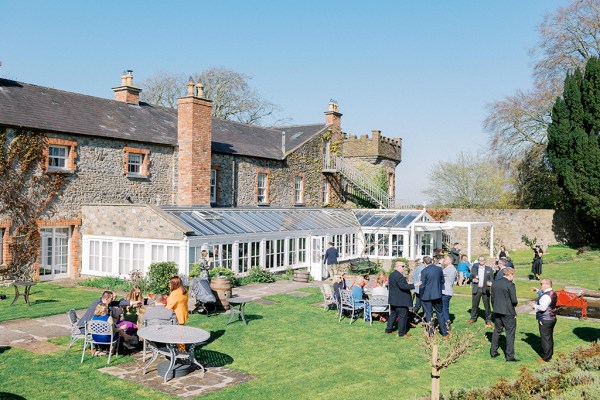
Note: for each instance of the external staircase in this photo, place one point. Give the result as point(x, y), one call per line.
point(358, 181)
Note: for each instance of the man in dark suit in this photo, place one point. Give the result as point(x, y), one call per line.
point(504, 300)
point(432, 284)
point(482, 276)
point(400, 299)
point(455, 254)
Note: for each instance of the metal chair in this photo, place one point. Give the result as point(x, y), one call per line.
point(347, 304)
point(75, 330)
point(97, 327)
point(378, 304)
point(152, 322)
point(328, 298)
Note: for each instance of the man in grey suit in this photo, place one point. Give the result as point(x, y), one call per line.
point(432, 284)
point(504, 300)
point(482, 276)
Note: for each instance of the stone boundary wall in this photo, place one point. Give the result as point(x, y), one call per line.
point(509, 226)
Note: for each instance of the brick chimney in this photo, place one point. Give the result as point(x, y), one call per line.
point(333, 116)
point(194, 137)
point(127, 93)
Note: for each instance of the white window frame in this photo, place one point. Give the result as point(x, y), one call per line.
point(397, 245)
point(261, 191)
point(325, 190)
point(60, 254)
point(213, 185)
point(64, 159)
point(299, 190)
point(135, 163)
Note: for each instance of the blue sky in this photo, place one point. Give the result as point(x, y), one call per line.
point(422, 71)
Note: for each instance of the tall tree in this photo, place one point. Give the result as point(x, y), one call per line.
point(232, 96)
point(573, 140)
point(470, 182)
point(568, 38)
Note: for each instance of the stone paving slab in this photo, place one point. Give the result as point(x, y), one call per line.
point(197, 383)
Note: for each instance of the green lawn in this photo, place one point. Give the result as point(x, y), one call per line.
point(297, 351)
point(46, 299)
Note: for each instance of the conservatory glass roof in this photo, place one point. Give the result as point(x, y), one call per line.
point(237, 221)
point(387, 218)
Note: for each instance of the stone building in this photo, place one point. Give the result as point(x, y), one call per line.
point(124, 151)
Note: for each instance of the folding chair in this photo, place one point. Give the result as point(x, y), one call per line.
point(96, 327)
point(75, 330)
point(347, 304)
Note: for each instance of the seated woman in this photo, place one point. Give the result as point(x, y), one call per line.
point(464, 273)
point(130, 316)
point(101, 313)
point(380, 289)
point(358, 292)
point(178, 300)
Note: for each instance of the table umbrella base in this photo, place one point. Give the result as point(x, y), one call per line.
point(178, 370)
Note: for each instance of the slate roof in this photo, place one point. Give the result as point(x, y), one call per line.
point(24, 105)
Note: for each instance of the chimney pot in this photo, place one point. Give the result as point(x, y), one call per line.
point(200, 90)
point(190, 87)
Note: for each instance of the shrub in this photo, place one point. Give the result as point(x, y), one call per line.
point(159, 274)
point(104, 282)
point(194, 270)
point(259, 275)
point(582, 250)
point(226, 273)
point(288, 275)
point(529, 242)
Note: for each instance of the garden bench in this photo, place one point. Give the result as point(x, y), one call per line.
point(362, 266)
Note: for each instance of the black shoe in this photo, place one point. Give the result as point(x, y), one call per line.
point(494, 355)
point(512, 360)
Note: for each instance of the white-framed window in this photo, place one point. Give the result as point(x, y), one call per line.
point(58, 157)
point(100, 256)
point(279, 254)
point(426, 244)
point(54, 251)
point(383, 242)
point(161, 253)
point(269, 254)
point(299, 190)
point(227, 255)
point(134, 163)
point(338, 244)
point(301, 250)
point(397, 245)
point(293, 252)
point(213, 186)
point(131, 256)
point(261, 189)
point(243, 257)
point(325, 191)
point(1, 246)
point(254, 254)
point(370, 244)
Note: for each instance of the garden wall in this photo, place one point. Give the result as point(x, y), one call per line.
point(548, 226)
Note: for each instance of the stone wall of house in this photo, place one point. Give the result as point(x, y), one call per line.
point(509, 226)
point(224, 164)
point(99, 177)
point(135, 221)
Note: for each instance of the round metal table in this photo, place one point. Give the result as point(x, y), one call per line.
point(165, 339)
point(241, 303)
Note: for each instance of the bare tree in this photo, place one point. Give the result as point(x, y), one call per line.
point(470, 182)
point(233, 98)
point(442, 353)
point(568, 38)
point(163, 89)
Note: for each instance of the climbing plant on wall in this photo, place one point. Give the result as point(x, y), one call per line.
point(26, 191)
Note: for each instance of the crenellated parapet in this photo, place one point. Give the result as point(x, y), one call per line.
point(376, 147)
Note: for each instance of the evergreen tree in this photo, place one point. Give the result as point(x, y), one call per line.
point(573, 142)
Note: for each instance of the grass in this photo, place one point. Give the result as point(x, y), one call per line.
point(297, 351)
point(46, 299)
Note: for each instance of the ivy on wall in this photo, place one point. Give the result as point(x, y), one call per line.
point(26, 191)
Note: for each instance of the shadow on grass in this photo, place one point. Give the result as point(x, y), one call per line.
point(11, 396)
point(501, 341)
point(534, 341)
point(214, 335)
point(210, 358)
point(44, 301)
point(586, 333)
point(2, 350)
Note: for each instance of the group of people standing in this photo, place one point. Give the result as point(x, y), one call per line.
point(127, 314)
point(491, 282)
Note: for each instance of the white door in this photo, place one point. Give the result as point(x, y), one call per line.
point(54, 257)
point(317, 245)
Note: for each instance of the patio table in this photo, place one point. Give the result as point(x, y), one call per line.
point(180, 362)
point(25, 294)
point(241, 303)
